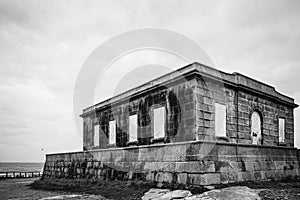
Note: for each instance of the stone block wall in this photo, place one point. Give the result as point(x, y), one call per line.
point(207, 93)
point(178, 100)
point(192, 163)
point(240, 104)
point(271, 111)
point(189, 99)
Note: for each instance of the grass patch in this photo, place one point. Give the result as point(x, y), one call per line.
point(119, 190)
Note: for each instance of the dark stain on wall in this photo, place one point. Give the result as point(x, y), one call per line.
point(143, 106)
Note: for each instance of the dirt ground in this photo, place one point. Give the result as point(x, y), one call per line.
point(33, 188)
point(20, 189)
point(117, 190)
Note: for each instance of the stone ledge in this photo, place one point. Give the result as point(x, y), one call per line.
point(173, 144)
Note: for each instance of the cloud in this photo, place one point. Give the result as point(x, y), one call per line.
point(129, 72)
point(43, 46)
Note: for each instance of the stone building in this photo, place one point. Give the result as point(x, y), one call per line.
point(194, 103)
point(196, 125)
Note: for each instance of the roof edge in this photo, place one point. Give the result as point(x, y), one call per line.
point(235, 78)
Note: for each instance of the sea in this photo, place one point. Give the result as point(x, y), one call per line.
point(21, 167)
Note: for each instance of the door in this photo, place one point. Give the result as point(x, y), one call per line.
point(255, 128)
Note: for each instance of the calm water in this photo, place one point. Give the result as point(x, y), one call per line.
point(21, 167)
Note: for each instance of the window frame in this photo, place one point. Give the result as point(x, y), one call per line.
point(110, 142)
point(224, 135)
point(129, 128)
point(283, 129)
point(96, 133)
point(159, 138)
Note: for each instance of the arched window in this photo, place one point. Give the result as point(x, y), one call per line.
point(256, 124)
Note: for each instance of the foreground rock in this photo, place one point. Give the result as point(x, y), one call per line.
point(75, 197)
point(230, 193)
point(165, 194)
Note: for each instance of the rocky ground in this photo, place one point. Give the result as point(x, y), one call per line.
point(92, 189)
point(276, 190)
point(232, 193)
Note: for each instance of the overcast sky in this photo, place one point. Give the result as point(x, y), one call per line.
point(43, 45)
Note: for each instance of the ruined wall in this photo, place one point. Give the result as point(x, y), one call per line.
point(178, 100)
point(195, 163)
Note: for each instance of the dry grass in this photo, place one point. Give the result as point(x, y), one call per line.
point(118, 190)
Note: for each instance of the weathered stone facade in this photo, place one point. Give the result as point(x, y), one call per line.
point(217, 128)
point(195, 163)
point(179, 100)
point(189, 95)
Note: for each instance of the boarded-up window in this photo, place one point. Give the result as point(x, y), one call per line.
point(112, 132)
point(159, 122)
point(133, 128)
point(220, 120)
point(96, 135)
point(256, 128)
point(281, 130)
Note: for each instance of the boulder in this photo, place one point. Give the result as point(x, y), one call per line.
point(176, 194)
point(232, 193)
point(154, 193)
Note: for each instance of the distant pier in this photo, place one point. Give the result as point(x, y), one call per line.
point(18, 174)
